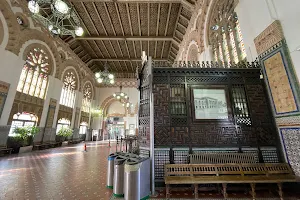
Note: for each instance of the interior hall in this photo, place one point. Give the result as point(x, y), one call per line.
point(149, 99)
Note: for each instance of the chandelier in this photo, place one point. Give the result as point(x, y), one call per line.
point(120, 95)
point(104, 76)
point(127, 104)
point(57, 16)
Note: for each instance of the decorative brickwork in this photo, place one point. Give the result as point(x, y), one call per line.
point(269, 37)
point(288, 121)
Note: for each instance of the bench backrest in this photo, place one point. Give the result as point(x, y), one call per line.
point(227, 169)
point(217, 158)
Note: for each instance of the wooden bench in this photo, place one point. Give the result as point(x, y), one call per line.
point(219, 158)
point(5, 150)
point(224, 174)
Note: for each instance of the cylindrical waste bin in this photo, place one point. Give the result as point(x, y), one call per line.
point(137, 178)
point(119, 176)
point(110, 170)
point(132, 180)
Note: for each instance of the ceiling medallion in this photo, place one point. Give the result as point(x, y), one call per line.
point(104, 76)
point(57, 16)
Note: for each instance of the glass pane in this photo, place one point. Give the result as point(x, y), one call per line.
point(225, 45)
point(233, 47)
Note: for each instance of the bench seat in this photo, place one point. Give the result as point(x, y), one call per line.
point(229, 179)
point(195, 174)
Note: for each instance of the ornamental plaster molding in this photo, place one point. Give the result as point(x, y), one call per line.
point(194, 30)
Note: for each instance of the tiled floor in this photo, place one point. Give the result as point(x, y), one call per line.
point(59, 173)
point(70, 173)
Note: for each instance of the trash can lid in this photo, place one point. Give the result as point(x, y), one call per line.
point(112, 156)
point(119, 160)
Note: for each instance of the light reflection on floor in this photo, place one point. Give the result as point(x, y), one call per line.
point(59, 173)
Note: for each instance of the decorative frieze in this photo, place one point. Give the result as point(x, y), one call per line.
point(269, 37)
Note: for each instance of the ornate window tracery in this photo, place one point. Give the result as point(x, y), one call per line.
point(62, 123)
point(68, 95)
point(87, 98)
point(22, 120)
point(225, 34)
point(34, 76)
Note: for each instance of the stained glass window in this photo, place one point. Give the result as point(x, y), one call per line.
point(21, 120)
point(62, 123)
point(68, 94)
point(34, 76)
point(215, 55)
point(233, 48)
point(225, 46)
point(221, 53)
point(87, 98)
point(240, 40)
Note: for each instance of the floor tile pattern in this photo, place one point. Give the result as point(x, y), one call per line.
point(60, 173)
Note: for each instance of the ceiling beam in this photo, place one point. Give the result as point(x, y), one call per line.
point(121, 59)
point(128, 38)
point(185, 3)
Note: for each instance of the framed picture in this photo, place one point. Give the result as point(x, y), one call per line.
point(210, 103)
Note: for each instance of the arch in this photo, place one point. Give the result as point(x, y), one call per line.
point(192, 52)
point(3, 31)
point(70, 64)
point(44, 47)
point(71, 69)
point(107, 102)
point(13, 29)
point(93, 89)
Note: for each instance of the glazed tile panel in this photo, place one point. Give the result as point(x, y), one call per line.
point(291, 140)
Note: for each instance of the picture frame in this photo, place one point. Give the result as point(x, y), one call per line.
point(210, 103)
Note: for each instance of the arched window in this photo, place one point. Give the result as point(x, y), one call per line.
point(225, 34)
point(21, 120)
point(83, 128)
point(67, 97)
point(87, 98)
point(62, 123)
point(34, 76)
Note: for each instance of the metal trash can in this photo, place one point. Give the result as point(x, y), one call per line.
point(118, 188)
point(110, 170)
point(137, 178)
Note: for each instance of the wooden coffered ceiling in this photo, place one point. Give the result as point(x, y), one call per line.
point(117, 31)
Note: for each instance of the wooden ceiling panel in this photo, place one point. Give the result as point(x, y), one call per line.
point(134, 18)
point(153, 18)
point(143, 13)
point(118, 31)
point(159, 49)
point(116, 49)
point(124, 15)
point(124, 49)
point(164, 8)
point(183, 21)
point(166, 49)
point(111, 9)
point(131, 49)
point(101, 8)
point(138, 48)
point(152, 49)
point(103, 49)
point(91, 48)
point(90, 8)
point(173, 18)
